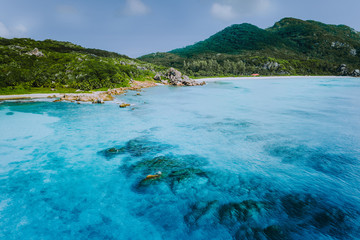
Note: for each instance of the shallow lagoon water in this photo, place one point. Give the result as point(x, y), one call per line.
point(245, 159)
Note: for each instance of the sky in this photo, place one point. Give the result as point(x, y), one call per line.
point(139, 27)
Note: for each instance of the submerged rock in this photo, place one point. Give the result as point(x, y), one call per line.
point(182, 174)
point(165, 164)
point(298, 205)
point(330, 217)
point(315, 158)
point(124, 105)
point(141, 146)
point(244, 220)
point(153, 176)
point(112, 152)
point(234, 213)
point(174, 170)
point(150, 178)
point(275, 232)
point(137, 147)
point(305, 210)
point(201, 213)
point(188, 177)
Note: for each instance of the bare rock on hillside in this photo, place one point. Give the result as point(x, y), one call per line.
point(356, 73)
point(343, 70)
point(36, 53)
point(157, 77)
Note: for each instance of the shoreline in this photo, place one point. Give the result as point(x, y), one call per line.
point(95, 97)
point(137, 85)
point(30, 96)
point(214, 79)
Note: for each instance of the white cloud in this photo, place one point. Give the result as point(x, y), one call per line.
point(232, 9)
point(221, 11)
point(136, 7)
point(15, 31)
point(4, 31)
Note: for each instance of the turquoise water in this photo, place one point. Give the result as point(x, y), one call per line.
point(245, 159)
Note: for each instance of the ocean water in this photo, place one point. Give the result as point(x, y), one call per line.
point(244, 159)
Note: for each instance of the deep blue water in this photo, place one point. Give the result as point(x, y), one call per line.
point(245, 159)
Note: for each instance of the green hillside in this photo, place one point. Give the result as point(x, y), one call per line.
point(234, 40)
point(291, 46)
point(26, 64)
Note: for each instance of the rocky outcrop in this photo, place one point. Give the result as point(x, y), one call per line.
point(124, 105)
point(343, 70)
point(271, 66)
point(98, 101)
point(98, 97)
point(157, 77)
point(101, 97)
point(356, 73)
point(178, 79)
point(138, 85)
point(353, 52)
point(36, 53)
point(174, 78)
point(141, 68)
point(155, 176)
point(116, 91)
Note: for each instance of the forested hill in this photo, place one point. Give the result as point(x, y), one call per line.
point(26, 63)
point(234, 40)
point(291, 46)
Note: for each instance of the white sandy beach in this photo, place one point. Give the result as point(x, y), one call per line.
point(57, 95)
point(262, 77)
point(31, 96)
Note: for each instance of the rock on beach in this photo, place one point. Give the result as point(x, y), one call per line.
point(176, 78)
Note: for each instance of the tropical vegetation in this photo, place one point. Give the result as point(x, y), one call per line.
point(30, 65)
point(290, 47)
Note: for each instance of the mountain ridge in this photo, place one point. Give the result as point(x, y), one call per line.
point(290, 47)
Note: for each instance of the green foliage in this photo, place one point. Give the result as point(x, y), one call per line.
point(234, 40)
point(66, 65)
point(291, 46)
point(213, 68)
